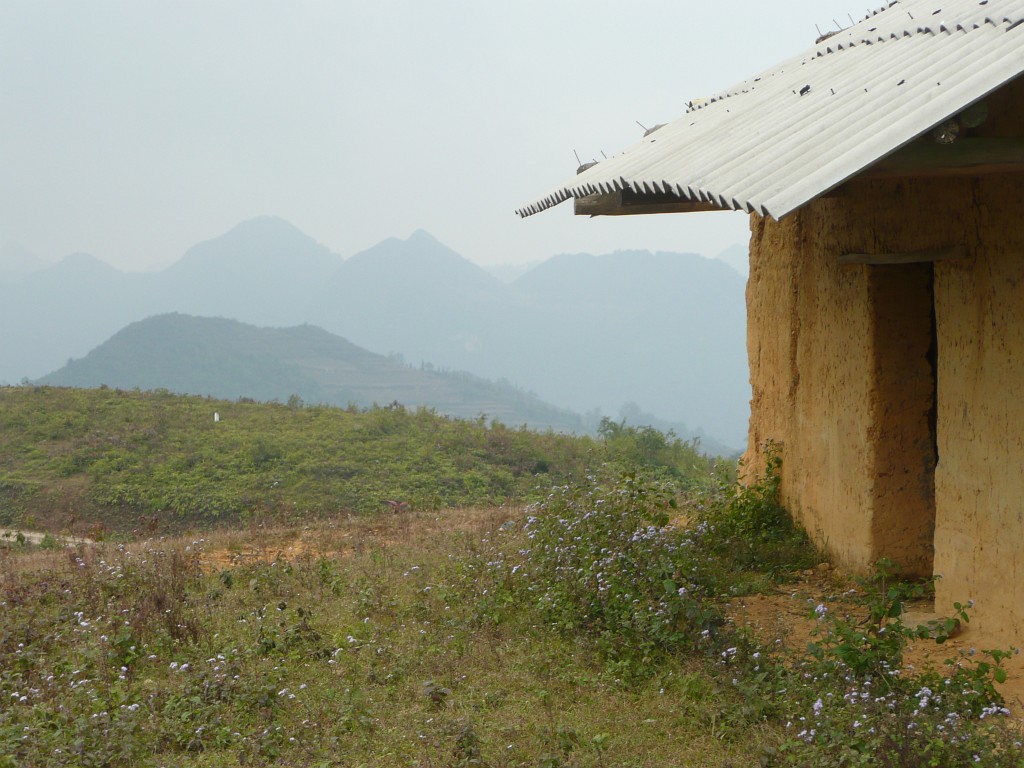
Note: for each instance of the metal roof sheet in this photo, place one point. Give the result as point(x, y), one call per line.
point(776, 141)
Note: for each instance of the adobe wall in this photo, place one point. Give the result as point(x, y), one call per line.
point(979, 537)
point(809, 393)
point(841, 374)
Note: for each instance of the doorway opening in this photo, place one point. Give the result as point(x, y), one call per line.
point(904, 430)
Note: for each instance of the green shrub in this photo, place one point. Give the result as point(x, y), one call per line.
point(747, 525)
point(151, 453)
point(601, 561)
point(856, 703)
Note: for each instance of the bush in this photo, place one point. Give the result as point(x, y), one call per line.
point(747, 525)
point(603, 561)
point(852, 702)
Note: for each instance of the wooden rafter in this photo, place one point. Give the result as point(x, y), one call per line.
point(909, 257)
point(626, 202)
point(966, 157)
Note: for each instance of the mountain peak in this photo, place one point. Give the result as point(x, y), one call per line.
point(259, 234)
point(420, 250)
point(265, 225)
point(79, 261)
point(266, 242)
point(422, 236)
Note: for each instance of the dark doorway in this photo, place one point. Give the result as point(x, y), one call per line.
point(903, 433)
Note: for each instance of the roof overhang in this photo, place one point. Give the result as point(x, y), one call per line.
point(852, 105)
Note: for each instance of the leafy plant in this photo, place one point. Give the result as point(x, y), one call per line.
point(604, 561)
point(747, 525)
point(874, 645)
point(862, 701)
point(437, 694)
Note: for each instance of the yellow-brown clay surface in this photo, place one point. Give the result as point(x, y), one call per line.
point(902, 434)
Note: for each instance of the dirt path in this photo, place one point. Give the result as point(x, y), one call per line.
point(11, 535)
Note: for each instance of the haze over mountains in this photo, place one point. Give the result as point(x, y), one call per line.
point(662, 332)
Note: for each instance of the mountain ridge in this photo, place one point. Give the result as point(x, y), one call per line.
point(664, 331)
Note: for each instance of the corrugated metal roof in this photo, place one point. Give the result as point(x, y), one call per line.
point(777, 141)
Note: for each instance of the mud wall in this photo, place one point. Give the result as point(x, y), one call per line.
point(897, 392)
point(979, 536)
point(807, 332)
point(840, 375)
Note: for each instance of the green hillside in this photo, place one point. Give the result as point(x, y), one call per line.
point(229, 359)
point(75, 457)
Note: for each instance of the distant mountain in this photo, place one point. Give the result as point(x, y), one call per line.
point(262, 271)
point(16, 260)
point(665, 331)
point(738, 257)
point(413, 296)
point(508, 273)
point(229, 359)
point(66, 309)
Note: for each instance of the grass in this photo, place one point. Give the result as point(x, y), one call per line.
point(590, 627)
point(102, 461)
point(361, 650)
point(414, 640)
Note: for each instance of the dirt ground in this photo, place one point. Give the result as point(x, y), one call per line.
point(784, 616)
point(346, 536)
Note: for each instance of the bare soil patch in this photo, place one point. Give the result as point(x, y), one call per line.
point(11, 535)
point(783, 618)
point(346, 536)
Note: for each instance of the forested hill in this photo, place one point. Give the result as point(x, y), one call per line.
point(229, 359)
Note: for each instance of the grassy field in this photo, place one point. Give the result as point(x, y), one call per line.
point(103, 460)
point(468, 638)
point(595, 626)
point(362, 649)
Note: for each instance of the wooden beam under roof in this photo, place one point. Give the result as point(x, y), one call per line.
point(626, 202)
point(909, 257)
point(964, 157)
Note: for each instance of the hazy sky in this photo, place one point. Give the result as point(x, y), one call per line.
point(134, 129)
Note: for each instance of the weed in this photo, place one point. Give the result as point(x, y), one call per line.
point(746, 526)
point(603, 562)
point(873, 645)
point(587, 631)
point(863, 701)
point(436, 694)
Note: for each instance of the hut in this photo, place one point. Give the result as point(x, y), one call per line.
point(883, 172)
